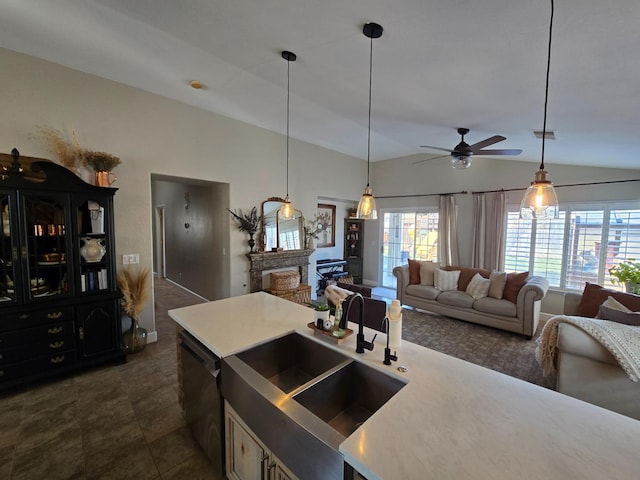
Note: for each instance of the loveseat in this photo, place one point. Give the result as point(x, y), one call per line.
point(515, 307)
point(585, 368)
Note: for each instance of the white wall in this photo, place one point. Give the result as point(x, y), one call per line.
point(152, 134)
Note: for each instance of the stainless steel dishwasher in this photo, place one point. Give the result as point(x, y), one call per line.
point(203, 404)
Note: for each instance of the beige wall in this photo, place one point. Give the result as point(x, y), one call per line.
point(156, 135)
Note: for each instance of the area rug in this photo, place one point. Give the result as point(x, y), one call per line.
point(504, 352)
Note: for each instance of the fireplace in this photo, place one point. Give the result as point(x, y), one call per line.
point(265, 261)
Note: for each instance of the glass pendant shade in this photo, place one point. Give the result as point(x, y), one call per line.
point(540, 200)
point(286, 211)
point(460, 163)
point(367, 206)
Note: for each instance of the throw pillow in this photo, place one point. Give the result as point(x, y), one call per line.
point(594, 295)
point(426, 272)
point(478, 286)
point(446, 280)
point(414, 272)
point(611, 302)
point(498, 282)
point(613, 315)
point(466, 274)
point(512, 287)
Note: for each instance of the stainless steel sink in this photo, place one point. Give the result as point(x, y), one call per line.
point(302, 399)
point(349, 396)
point(291, 361)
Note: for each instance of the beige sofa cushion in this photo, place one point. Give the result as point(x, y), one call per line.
point(424, 291)
point(446, 280)
point(495, 307)
point(456, 299)
point(478, 286)
point(498, 281)
point(426, 272)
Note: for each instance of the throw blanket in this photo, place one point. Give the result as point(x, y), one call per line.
point(623, 341)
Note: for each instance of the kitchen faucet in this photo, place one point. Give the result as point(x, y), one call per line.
point(361, 343)
point(388, 358)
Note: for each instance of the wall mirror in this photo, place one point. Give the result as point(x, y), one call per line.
point(279, 233)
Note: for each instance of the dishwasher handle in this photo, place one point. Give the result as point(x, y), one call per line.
point(201, 354)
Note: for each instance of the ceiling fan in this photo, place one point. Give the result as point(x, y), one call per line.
point(462, 153)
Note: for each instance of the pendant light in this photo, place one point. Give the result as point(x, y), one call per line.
point(540, 200)
point(287, 212)
point(367, 205)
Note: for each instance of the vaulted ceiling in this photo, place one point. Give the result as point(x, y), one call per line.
point(440, 64)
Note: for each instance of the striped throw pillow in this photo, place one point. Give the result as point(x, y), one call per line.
point(446, 280)
point(478, 286)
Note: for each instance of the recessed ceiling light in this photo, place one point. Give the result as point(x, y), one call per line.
point(196, 84)
point(548, 135)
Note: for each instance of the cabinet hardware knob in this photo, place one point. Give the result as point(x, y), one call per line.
point(57, 360)
point(59, 344)
point(54, 315)
point(55, 330)
point(81, 333)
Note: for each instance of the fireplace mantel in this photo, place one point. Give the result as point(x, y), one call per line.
point(264, 261)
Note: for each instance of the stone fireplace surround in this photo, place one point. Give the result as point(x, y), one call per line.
point(265, 261)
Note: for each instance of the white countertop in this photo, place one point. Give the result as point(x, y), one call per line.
point(453, 420)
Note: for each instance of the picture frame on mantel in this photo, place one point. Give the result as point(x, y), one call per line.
point(327, 220)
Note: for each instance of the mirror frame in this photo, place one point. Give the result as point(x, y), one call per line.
point(262, 234)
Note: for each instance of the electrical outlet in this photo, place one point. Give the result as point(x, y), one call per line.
point(125, 260)
point(134, 258)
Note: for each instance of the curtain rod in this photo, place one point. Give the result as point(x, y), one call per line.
point(463, 192)
point(561, 186)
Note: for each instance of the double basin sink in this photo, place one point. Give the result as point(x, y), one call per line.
point(313, 395)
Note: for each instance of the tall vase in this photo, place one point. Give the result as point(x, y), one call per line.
point(135, 339)
point(105, 179)
point(252, 242)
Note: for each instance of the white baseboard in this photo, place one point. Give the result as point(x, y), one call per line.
point(152, 337)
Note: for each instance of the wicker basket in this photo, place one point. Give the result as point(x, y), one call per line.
point(285, 281)
point(302, 294)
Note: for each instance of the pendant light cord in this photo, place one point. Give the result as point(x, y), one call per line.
point(546, 89)
point(288, 67)
point(369, 129)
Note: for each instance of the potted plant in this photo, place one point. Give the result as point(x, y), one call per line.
point(627, 273)
point(322, 313)
point(134, 288)
point(247, 222)
point(102, 163)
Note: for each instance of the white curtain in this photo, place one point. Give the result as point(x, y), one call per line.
point(488, 230)
point(448, 253)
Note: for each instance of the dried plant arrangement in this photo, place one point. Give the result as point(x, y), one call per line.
point(133, 286)
point(100, 161)
point(70, 155)
point(247, 222)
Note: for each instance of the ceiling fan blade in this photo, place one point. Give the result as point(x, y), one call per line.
point(486, 142)
point(429, 159)
point(499, 152)
point(437, 148)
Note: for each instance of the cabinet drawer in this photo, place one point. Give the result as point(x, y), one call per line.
point(59, 331)
point(37, 365)
point(50, 346)
point(36, 317)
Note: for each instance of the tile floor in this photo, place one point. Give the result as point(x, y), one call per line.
point(117, 422)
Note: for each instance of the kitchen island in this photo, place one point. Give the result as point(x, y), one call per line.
point(453, 419)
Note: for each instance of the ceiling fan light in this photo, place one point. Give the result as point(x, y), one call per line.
point(287, 211)
point(540, 200)
point(460, 163)
point(367, 206)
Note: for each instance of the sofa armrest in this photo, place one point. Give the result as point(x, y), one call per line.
point(402, 275)
point(528, 303)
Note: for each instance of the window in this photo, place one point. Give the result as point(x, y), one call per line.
point(407, 235)
point(580, 246)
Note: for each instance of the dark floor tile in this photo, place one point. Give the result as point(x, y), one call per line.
point(11, 415)
point(122, 461)
point(6, 460)
point(50, 395)
point(59, 457)
point(196, 467)
point(174, 448)
point(47, 425)
point(160, 413)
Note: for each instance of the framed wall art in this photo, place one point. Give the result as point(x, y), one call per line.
point(327, 223)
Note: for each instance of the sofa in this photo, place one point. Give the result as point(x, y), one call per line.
point(586, 369)
point(518, 311)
